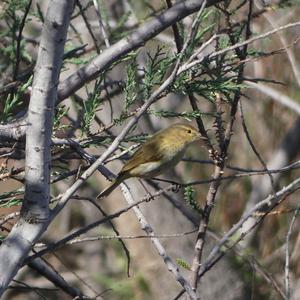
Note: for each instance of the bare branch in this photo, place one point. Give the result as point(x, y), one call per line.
point(270, 202)
point(276, 96)
point(287, 256)
point(107, 57)
point(52, 275)
point(172, 267)
point(241, 53)
point(130, 43)
point(63, 241)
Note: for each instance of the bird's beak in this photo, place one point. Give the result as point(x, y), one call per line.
point(197, 137)
point(201, 138)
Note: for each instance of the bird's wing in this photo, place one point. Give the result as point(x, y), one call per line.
point(150, 149)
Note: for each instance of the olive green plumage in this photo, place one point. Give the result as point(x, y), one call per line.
point(160, 152)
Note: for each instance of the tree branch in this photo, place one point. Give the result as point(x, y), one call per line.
point(35, 209)
point(100, 63)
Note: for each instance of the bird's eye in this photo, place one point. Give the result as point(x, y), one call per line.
point(189, 131)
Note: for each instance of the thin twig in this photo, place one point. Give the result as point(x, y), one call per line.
point(19, 39)
point(270, 202)
point(172, 267)
point(287, 256)
point(253, 146)
point(177, 37)
point(46, 270)
point(218, 172)
point(88, 26)
point(61, 242)
point(124, 237)
point(118, 236)
point(9, 217)
point(240, 44)
point(290, 55)
point(101, 24)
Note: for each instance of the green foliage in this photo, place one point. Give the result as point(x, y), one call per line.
point(155, 70)
point(288, 3)
point(216, 81)
point(131, 86)
point(60, 112)
point(13, 101)
point(125, 289)
point(78, 60)
point(119, 120)
point(189, 196)
point(12, 202)
point(196, 41)
point(12, 6)
point(185, 115)
point(224, 41)
point(121, 289)
point(90, 107)
point(70, 59)
point(141, 138)
point(8, 199)
point(143, 285)
point(12, 15)
point(182, 263)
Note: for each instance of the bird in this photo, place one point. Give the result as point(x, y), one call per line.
point(159, 153)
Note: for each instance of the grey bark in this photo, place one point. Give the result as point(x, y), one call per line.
point(35, 208)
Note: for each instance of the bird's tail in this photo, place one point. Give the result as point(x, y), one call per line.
point(109, 189)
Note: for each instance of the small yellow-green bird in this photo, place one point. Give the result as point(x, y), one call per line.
point(159, 153)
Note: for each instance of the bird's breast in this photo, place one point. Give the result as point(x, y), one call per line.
point(151, 169)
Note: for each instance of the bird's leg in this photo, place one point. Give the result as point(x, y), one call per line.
point(150, 196)
point(176, 187)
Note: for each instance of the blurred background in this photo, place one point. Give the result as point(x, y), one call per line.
point(94, 115)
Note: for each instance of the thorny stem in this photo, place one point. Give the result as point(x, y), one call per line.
point(218, 172)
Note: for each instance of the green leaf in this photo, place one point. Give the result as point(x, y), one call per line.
point(90, 106)
point(14, 100)
point(60, 112)
point(189, 196)
point(131, 86)
point(156, 69)
point(185, 115)
point(182, 263)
